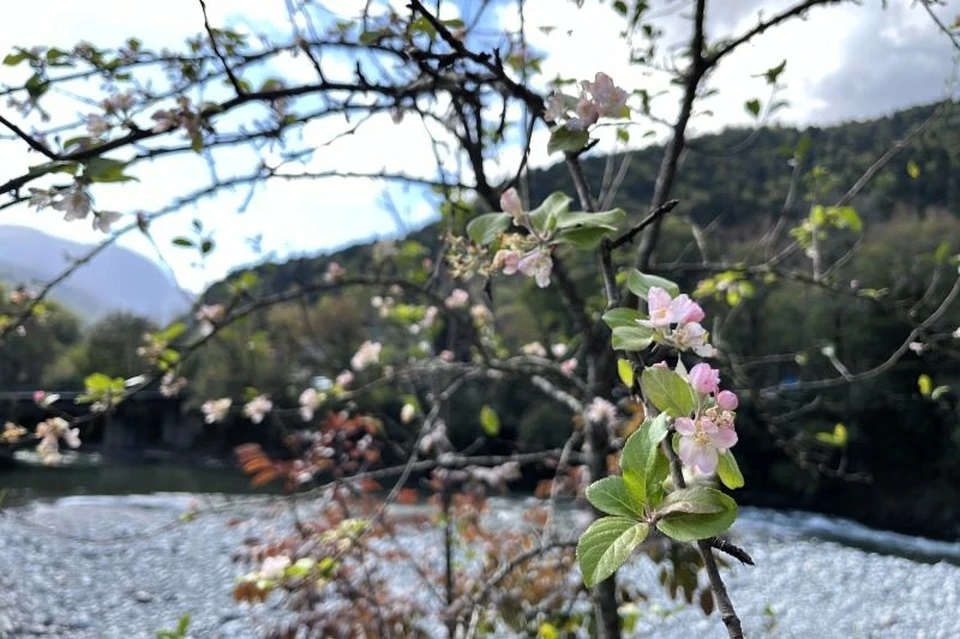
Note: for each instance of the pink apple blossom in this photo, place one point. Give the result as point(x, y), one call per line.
point(567, 367)
point(510, 203)
point(257, 408)
point(367, 355)
point(216, 410)
point(537, 264)
point(458, 298)
point(701, 441)
point(705, 380)
point(727, 400)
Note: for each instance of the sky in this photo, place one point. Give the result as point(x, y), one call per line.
point(844, 62)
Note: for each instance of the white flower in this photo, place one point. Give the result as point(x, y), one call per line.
point(569, 366)
point(170, 386)
point(367, 355)
point(310, 399)
point(41, 198)
point(534, 349)
point(209, 315)
point(97, 125)
point(559, 350)
point(274, 566)
point(75, 203)
point(458, 298)
point(257, 408)
point(216, 410)
point(103, 220)
point(407, 413)
point(538, 265)
point(956, 333)
point(345, 378)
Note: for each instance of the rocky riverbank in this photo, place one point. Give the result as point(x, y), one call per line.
point(60, 581)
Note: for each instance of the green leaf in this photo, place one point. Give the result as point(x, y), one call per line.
point(682, 525)
point(106, 170)
point(606, 219)
point(632, 338)
point(70, 168)
point(622, 316)
point(753, 107)
point(729, 471)
point(942, 252)
point(669, 392)
point(773, 73)
point(13, 59)
point(837, 438)
point(483, 229)
point(925, 384)
point(623, 135)
point(606, 545)
point(563, 139)
point(489, 421)
point(696, 500)
point(643, 472)
point(640, 283)
point(182, 241)
point(583, 238)
point(610, 495)
point(546, 215)
point(625, 371)
point(913, 169)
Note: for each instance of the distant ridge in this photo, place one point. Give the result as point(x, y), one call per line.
point(117, 279)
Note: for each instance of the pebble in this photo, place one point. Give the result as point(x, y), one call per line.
point(56, 585)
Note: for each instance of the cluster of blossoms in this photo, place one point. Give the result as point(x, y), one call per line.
point(458, 298)
point(310, 401)
point(529, 254)
point(209, 315)
point(12, 433)
point(676, 322)
point(185, 117)
point(50, 431)
point(172, 385)
point(601, 411)
point(710, 432)
point(75, 203)
point(257, 408)
point(216, 410)
point(600, 98)
point(367, 355)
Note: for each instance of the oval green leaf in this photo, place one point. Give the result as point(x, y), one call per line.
point(483, 229)
point(686, 526)
point(610, 496)
point(606, 545)
point(669, 392)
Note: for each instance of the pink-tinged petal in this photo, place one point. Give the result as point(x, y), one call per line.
point(510, 203)
point(728, 400)
point(684, 426)
point(705, 380)
point(705, 460)
point(724, 438)
point(511, 261)
point(684, 310)
point(657, 299)
point(687, 450)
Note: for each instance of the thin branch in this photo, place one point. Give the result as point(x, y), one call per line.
point(34, 144)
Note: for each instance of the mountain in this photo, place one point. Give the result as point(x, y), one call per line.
point(115, 280)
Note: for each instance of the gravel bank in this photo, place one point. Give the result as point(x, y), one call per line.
point(58, 586)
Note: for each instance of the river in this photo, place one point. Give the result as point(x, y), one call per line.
point(815, 576)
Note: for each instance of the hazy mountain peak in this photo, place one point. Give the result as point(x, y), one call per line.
point(117, 279)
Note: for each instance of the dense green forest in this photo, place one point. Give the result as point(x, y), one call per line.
point(733, 186)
